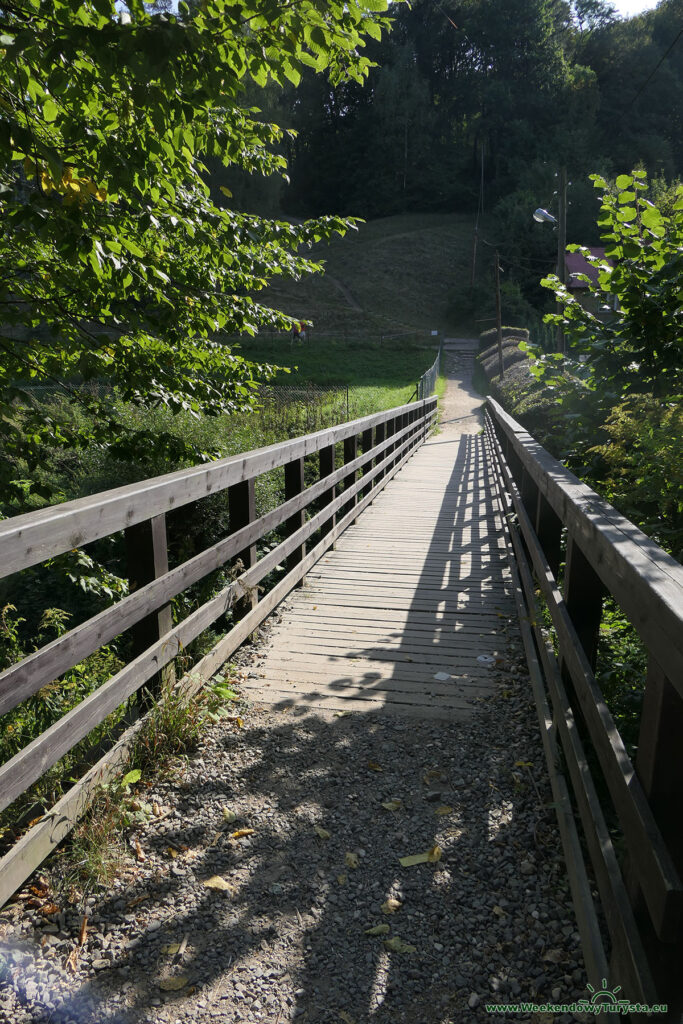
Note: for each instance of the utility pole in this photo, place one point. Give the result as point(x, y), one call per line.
point(562, 247)
point(499, 323)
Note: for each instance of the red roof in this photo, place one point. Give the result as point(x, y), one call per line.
point(575, 263)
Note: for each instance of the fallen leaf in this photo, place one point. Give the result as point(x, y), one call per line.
point(379, 929)
point(216, 882)
point(443, 810)
point(83, 931)
point(391, 906)
point(351, 860)
point(554, 956)
point(342, 879)
point(171, 852)
point(340, 714)
point(228, 815)
point(429, 857)
point(157, 809)
point(373, 766)
point(343, 1015)
point(397, 945)
point(499, 911)
point(72, 960)
point(432, 775)
point(172, 948)
point(523, 764)
point(139, 852)
point(321, 833)
point(49, 909)
point(173, 984)
point(392, 805)
point(136, 902)
point(241, 832)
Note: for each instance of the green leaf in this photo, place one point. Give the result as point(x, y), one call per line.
point(50, 110)
point(131, 777)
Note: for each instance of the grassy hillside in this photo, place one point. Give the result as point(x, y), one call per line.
point(394, 274)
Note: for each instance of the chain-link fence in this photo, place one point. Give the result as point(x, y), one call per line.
point(427, 382)
point(304, 408)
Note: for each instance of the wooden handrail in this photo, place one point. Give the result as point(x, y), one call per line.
point(28, 539)
point(387, 439)
point(554, 517)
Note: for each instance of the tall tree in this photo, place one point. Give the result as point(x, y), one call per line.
point(115, 262)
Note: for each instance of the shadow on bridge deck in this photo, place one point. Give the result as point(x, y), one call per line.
point(409, 613)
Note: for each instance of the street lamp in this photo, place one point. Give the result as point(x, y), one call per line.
point(543, 217)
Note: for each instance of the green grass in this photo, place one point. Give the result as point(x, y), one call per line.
point(378, 376)
point(394, 274)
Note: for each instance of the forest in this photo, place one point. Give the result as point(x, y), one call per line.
point(473, 107)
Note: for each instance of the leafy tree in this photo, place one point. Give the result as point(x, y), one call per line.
point(115, 261)
point(634, 346)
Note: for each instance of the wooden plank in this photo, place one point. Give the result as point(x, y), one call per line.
point(421, 671)
point(423, 660)
point(284, 700)
point(359, 692)
point(31, 538)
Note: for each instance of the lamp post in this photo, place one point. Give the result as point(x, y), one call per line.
point(542, 216)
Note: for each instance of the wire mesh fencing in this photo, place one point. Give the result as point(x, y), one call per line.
point(302, 409)
point(427, 382)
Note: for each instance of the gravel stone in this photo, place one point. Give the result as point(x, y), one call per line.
point(289, 940)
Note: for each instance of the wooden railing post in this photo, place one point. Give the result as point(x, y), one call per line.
point(242, 511)
point(548, 526)
point(391, 429)
point(366, 446)
point(326, 464)
point(294, 484)
point(659, 765)
point(350, 453)
point(147, 559)
point(583, 594)
point(380, 435)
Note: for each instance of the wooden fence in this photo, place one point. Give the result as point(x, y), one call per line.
point(329, 505)
point(630, 819)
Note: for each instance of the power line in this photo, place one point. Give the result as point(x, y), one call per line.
point(656, 68)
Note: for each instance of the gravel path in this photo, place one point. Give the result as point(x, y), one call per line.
point(311, 916)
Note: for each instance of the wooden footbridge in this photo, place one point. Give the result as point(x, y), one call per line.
point(399, 557)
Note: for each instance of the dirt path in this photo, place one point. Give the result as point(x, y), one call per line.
point(461, 405)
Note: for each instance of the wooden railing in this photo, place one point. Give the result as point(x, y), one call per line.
point(630, 819)
point(340, 494)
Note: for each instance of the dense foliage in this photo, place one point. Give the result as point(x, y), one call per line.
point(618, 392)
point(116, 260)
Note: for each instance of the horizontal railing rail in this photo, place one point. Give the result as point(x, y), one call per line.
point(341, 493)
point(559, 527)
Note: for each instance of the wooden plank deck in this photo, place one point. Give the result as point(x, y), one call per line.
point(398, 616)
